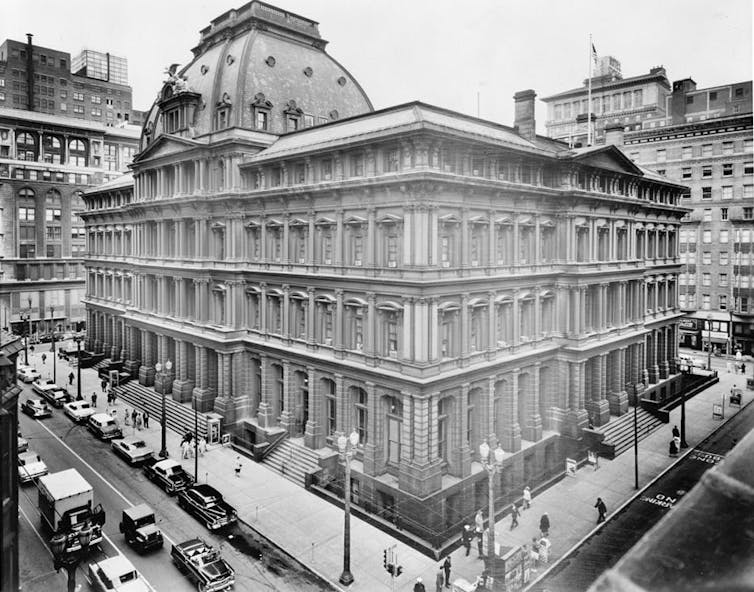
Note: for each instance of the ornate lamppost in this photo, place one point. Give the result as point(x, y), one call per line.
point(70, 560)
point(493, 466)
point(52, 334)
point(709, 342)
point(683, 365)
point(164, 375)
point(347, 446)
point(24, 318)
point(78, 339)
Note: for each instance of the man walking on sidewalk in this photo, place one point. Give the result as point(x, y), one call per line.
point(94, 399)
point(238, 467)
point(544, 525)
point(527, 498)
point(446, 569)
point(146, 419)
point(602, 509)
point(466, 538)
point(514, 516)
point(70, 378)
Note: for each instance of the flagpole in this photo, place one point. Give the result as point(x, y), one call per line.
point(589, 97)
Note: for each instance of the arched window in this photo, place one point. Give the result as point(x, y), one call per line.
point(27, 233)
point(77, 155)
point(444, 407)
point(360, 400)
point(394, 427)
point(53, 149)
point(355, 321)
point(331, 406)
point(26, 146)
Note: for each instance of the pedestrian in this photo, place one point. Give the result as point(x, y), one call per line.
point(514, 516)
point(138, 421)
point(70, 378)
point(202, 446)
point(439, 579)
point(480, 545)
point(185, 452)
point(113, 413)
point(238, 467)
point(743, 368)
point(673, 448)
point(527, 498)
point(544, 550)
point(544, 525)
point(94, 399)
point(446, 568)
point(103, 384)
point(127, 416)
point(535, 550)
point(146, 419)
point(602, 509)
point(676, 433)
point(479, 523)
point(466, 538)
point(44, 357)
point(112, 394)
point(134, 413)
point(419, 586)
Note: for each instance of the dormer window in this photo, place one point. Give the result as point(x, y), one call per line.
point(293, 116)
point(175, 120)
point(222, 113)
point(260, 110)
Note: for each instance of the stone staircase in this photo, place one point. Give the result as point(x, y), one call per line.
point(179, 417)
point(101, 364)
point(292, 460)
point(619, 433)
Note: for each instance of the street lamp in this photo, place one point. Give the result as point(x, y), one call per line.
point(685, 370)
point(78, 339)
point(70, 560)
point(492, 466)
point(163, 376)
point(52, 334)
point(347, 446)
point(709, 342)
point(24, 318)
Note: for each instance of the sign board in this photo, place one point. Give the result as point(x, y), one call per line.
point(570, 467)
point(717, 411)
point(114, 378)
point(225, 439)
point(593, 459)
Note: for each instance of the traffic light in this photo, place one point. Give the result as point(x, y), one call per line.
point(384, 558)
point(398, 570)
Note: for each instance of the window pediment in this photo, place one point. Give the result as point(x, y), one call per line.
point(261, 102)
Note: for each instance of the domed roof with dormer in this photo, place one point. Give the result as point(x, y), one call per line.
point(257, 67)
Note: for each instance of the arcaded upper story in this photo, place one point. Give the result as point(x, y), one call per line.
point(258, 68)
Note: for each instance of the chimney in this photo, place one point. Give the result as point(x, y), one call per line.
point(524, 114)
point(614, 134)
point(29, 71)
point(678, 99)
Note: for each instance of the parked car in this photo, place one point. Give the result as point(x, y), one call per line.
point(203, 565)
point(23, 443)
point(104, 426)
point(140, 527)
point(36, 408)
point(206, 504)
point(116, 574)
point(79, 411)
point(133, 449)
point(168, 474)
point(55, 394)
point(28, 374)
point(30, 467)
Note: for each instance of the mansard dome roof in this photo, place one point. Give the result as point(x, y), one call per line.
point(256, 56)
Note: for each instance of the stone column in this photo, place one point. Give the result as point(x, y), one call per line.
point(146, 370)
point(183, 386)
point(662, 350)
point(533, 429)
point(617, 397)
point(314, 436)
point(202, 393)
point(287, 418)
point(511, 430)
point(418, 474)
point(577, 417)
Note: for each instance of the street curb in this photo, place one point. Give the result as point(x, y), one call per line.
point(629, 500)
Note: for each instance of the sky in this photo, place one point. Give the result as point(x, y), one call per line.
point(469, 56)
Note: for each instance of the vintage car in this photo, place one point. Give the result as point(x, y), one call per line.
point(168, 474)
point(56, 395)
point(116, 574)
point(79, 411)
point(203, 565)
point(30, 467)
point(206, 504)
point(27, 374)
point(23, 443)
point(133, 449)
point(36, 408)
point(139, 526)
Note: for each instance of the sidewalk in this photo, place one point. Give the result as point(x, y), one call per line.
point(311, 529)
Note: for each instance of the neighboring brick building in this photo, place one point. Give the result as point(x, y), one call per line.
point(428, 279)
point(701, 138)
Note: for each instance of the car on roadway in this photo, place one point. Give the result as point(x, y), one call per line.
point(132, 449)
point(140, 527)
point(203, 565)
point(79, 411)
point(104, 426)
point(206, 504)
point(36, 408)
point(168, 474)
point(117, 574)
point(28, 374)
point(23, 443)
point(55, 394)
point(30, 467)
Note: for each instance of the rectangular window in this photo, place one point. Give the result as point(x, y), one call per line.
point(26, 214)
point(52, 215)
point(705, 301)
point(707, 237)
point(96, 99)
point(707, 215)
point(686, 152)
point(727, 169)
point(723, 281)
point(749, 168)
point(686, 173)
point(727, 192)
point(392, 160)
point(748, 191)
point(727, 148)
point(706, 149)
point(723, 303)
point(707, 257)
point(723, 214)
point(723, 257)
point(357, 165)
point(706, 192)
point(261, 120)
point(54, 233)
point(326, 169)
point(308, 120)
point(661, 155)
point(748, 145)
point(706, 279)
point(706, 171)
point(77, 96)
point(748, 213)
point(724, 236)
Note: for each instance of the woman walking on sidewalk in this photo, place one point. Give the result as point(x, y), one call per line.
point(544, 525)
point(601, 509)
point(514, 516)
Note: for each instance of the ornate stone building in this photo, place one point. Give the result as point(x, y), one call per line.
point(428, 279)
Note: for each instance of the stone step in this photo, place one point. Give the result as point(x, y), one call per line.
point(293, 461)
point(178, 416)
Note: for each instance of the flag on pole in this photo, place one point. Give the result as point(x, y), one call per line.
point(594, 54)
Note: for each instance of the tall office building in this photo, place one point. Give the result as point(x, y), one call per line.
point(702, 138)
point(102, 66)
point(430, 280)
